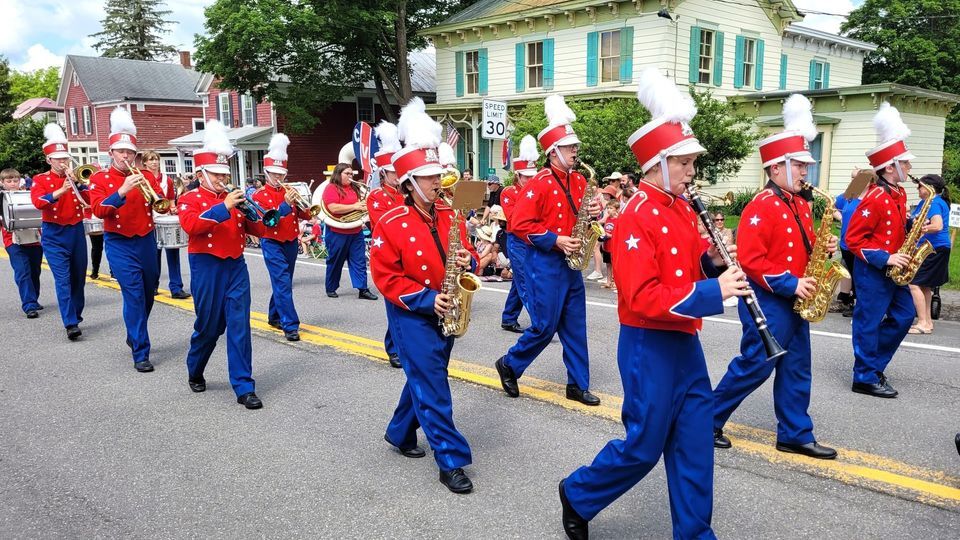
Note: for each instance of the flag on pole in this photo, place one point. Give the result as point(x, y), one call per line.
point(505, 153)
point(453, 136)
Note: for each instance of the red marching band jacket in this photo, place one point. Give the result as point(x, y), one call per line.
point(406, 265)
point(508, 201)
point(128, 216)
point(212, 228)
point(271, 198)
point(879, 226)
point(542, 211)
point(66, 210)
point(659, 264)
point(380, 201)
point(770, 245)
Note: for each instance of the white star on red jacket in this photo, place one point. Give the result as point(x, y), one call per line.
point(866, 212)
point(377, 242)
point(376, 204)
point(754, 220)
point(530, 194)
point(632, 243)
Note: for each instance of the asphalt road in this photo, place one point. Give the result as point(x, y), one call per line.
point(91, 448)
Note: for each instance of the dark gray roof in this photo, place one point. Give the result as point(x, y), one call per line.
point(487, 8)
point(112, 79)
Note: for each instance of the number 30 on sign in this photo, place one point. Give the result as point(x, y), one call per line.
point(494, 120)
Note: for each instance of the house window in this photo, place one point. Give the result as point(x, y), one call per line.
point(535, 64)
point(223, 109)
point(706, 55)
point(199, 124)
point(365, 112)
point(246, 104)
point(471, 71)
point(188, 165)
point(610, 56)
point(170, 165)
point(205, 100)
point(749, 61)
point(75, 79)
point(73, 122)
point(87, 128)
point(818, 77)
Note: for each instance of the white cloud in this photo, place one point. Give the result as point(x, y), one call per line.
point(39, 57)
point(826, 23)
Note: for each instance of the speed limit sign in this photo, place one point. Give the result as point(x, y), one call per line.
point(494, 120)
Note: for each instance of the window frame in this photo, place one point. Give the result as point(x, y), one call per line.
point(749, 64)
point(188, 165)
point(534, 70)
point(87, 121)
point(372, 117)
point(169, 163)
point(74, 126)
point(711, 56)
point(819, 84)
point(247, 105)
point(202, 124)
point(614, 36)
point(471, 76)
point(224, 115)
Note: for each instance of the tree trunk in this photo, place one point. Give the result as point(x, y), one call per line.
point(403, 68)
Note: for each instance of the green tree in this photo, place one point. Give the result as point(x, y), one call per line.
point(132, 30)
point(603, 127)
point(304, 55)
point(20, 143)
point(6, 99)
point(31, 84)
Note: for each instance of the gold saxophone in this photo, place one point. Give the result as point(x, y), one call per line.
point(585, 229)
point(917, 254)
point(458, 284)
point(828, 276)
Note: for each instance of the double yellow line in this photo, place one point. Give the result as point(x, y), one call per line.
point(852, 467)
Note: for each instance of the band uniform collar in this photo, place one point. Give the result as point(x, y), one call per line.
point(657, 193)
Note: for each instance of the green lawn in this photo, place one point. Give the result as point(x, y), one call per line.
point(733, 221)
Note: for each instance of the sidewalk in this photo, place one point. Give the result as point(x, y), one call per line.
point(950, 311)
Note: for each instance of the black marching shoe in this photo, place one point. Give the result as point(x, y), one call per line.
point(395, 361)
point(333, 294)
point(512, 327)
point(507, 379)
point(415, 452)
point(957, 442)
point(180, 295)
point(197, 385)
point(720, 440)
point(292, 335)
point(365, 294)
point(250, 401)
point(143, 366)
point(456, 481)
point(812, 449)
point(32, 314)
point(73, 333)
point(275, 323)
point(878, 389)
point(583, 396)
point(575, 526)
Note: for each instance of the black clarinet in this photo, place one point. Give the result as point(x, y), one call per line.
point(773, 348)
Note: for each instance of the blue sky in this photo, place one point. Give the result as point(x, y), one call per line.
point(41, 32)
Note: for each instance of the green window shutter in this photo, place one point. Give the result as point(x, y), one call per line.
point(461, 152)
point(626, 55)
point(783, 72)
point(459, 73)
point(759, 75)
point(718, 59)
point(484, 157)
point(593, 49)
point(482, 68)
point(826, 74)
point(521, 68)
point(694, 54)
point(548, 64)
point(738, 64)
point(813, 75)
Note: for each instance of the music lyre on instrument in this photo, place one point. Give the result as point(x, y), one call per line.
point(459, 284)
point(770, 343)
point(158, 203)
point(80, 175)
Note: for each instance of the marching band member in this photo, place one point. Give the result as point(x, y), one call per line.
point(524, 169)
point(382, 200)
point(775, 241)
point(279, 246)
point(54, 193)
point(341, 197)
point(220, 282)
point(543, 217)
point(408, 261)
point(25, 259)
point(129, 238)
point(168, 190)
point(884, 310)
point(659, 264)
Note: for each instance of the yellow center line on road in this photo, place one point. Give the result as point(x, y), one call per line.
point(852, 467)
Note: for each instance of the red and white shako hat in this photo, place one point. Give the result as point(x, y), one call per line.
point(214, 156)
point(891, 133)
point(123, 133)
point(276, 159)
point(389, 145)
point(798, 130)
point(56, 141)
point(668, 133)
point(526, 161)
point(421, 138)
point(559, 130)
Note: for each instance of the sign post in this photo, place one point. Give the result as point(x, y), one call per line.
point(494, 120)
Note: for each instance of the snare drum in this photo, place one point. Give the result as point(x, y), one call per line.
point(93, 226)
point(170, 235)
point(18, 211)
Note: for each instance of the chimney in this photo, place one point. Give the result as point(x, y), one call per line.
point(185, 59)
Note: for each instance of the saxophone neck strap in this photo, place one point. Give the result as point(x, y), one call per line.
point(566, 189)
point(430, 219)
point(803, 233)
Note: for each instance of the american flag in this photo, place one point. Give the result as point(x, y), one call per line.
point(453, 136)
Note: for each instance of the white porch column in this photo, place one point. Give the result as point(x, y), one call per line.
point(242, 165)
